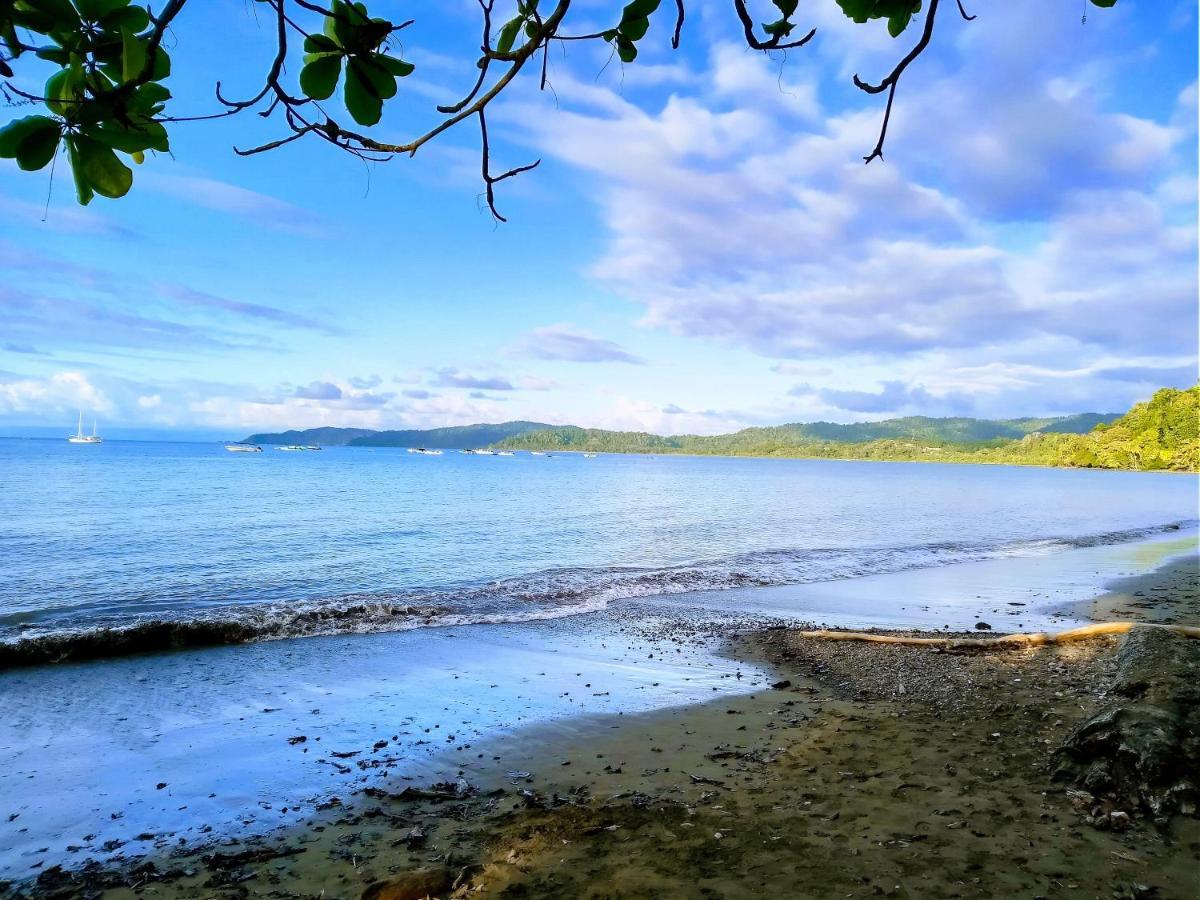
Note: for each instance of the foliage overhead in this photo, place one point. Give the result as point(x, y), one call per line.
point(105, 102)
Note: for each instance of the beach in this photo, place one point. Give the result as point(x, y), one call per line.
point(828, 769)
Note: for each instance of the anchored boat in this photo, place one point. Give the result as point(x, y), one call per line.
point(80, 438)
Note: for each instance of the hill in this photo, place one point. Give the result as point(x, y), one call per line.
point(327, 437)
point(782, 439)
point(459, 437)
point(1161, 433)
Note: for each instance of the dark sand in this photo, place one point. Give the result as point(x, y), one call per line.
point(875, 770)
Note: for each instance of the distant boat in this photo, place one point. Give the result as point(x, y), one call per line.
point(243, 448)
point(311, 447)
point(80, 438)
point(425, 452)
point(482, 452)
point(590, 455)
point(295, 448)
point(505, 453)
point(536, 453)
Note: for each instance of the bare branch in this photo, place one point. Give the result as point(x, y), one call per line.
point(773, 43)
point(893, 78)
point(490, 180)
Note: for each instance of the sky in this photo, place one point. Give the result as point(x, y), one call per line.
point(700, 250)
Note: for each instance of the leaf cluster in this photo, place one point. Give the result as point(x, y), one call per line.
point(104, 98)
point(353, 38)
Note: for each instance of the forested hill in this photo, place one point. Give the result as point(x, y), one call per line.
point(328, 437)
point(779, 439)
point(459, 437)
point(1162, 433)
point(520, 435)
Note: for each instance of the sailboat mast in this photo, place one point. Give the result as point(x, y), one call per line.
point(79, 427)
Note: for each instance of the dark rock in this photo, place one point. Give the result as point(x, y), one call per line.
point(982, 626)
point(1142, 752)
point(415, 885)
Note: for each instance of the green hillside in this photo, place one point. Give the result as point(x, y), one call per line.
point(459, 437)
point(1158, 434)
point(808, 438)
point(326, 437)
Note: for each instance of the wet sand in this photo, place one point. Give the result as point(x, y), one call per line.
point(866, 770)
point(1169, 595)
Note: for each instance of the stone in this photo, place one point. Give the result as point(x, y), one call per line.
point(415, 885)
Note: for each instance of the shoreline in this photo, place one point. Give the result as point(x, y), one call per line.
point(215, 444)
point(840, 779)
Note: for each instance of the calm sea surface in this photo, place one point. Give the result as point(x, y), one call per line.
point(97, 539)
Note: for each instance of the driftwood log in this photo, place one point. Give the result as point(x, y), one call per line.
point(1036, 639)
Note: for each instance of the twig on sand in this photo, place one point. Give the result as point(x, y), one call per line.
point(1037, 639)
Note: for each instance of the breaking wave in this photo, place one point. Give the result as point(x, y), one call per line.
point(549, 594)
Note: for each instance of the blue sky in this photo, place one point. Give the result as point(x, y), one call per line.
point(700, 250)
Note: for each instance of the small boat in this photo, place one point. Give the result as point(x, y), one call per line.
point(243, 448)
point(294, 448)
point(590, 455)
point(536, 453)
point(425, 452)
point(505, 453)
point(80, 438)
point(483, 452)
point(311, 447)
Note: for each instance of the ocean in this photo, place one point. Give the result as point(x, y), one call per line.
point(129, 546)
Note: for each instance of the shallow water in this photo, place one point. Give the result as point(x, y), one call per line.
point(231, 547)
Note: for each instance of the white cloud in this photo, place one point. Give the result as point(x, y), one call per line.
point(61, 392)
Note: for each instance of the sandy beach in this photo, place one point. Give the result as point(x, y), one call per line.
point(858, 770)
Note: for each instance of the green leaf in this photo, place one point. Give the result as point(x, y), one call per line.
point(31, 141)
point(1104, 4)
point(377, 78)
point(134, 139)
point(786, 7)
point(635, 29)
point(94, 10)
point(319, 78)
point(38, 148)
point(108, 176)
point(129, 18)
point(363, 103)
point(54, 55)
point(344, 21)
point(46, 16)
point(397, 67)
point(898, 22)
point(162, 64)
point(319, 43)
point(83, 188)
point(858, 10)
point(64, 90)
point(508, 34)
point(133, 56)
point(638, 9)
point(626, 49)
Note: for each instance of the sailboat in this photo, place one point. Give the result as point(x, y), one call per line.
point(80, 438)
